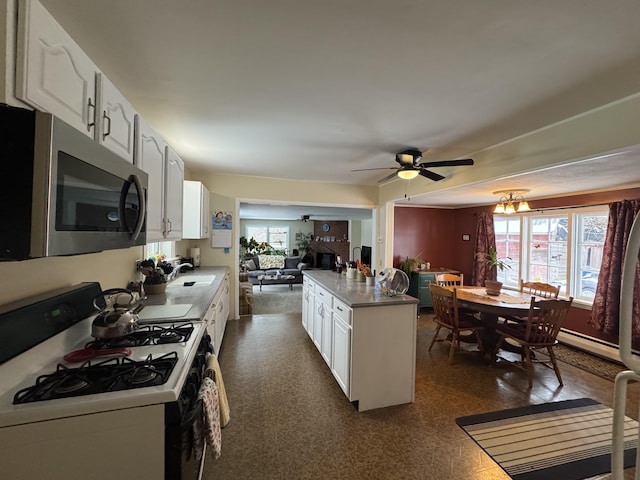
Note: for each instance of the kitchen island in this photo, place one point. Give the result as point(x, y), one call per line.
point(367, 338)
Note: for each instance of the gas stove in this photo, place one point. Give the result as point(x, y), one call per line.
point(39, 384)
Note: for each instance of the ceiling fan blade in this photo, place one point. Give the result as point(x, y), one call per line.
point(448, 163)
point(381, 168)
point(431, 175)
point(388, 177)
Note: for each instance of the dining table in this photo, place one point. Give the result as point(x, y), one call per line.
point(490, 308)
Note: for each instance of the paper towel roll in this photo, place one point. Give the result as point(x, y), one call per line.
point(195, 254)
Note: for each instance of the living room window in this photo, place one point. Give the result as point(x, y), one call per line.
point(562, 248)
point(275, 235)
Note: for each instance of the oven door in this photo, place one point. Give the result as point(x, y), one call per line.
point(185, 447)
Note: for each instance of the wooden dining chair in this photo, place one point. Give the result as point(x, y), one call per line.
point(539, 331)
point(539, 289)
point(447, 315)
point(449, 279)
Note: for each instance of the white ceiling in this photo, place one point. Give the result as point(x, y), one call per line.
point(308, 89)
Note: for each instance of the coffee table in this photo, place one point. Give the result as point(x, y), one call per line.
point(276, 279)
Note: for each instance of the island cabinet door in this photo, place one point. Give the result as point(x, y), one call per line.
point(323, 302)
point(341, 345)
point(341, 355)
point(327, 336)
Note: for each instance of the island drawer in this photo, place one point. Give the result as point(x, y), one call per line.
point(340, 309)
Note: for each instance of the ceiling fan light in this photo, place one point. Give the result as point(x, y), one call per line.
point(523, 206)
point(499, 208)
point(408, 174)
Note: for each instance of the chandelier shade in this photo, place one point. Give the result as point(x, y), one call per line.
point(509, 199)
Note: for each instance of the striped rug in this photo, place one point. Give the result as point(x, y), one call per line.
point(568, 440)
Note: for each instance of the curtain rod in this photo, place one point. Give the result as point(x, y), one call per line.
point(570, 207)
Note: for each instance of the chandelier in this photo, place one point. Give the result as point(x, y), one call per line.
point(507, 200)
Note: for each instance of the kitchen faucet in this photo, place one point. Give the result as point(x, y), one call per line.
point(176, 270)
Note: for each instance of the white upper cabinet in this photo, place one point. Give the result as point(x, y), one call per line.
point(195, 210)
point(115, 120)
point(150, 151)
point(174, 181)
point(53, 74)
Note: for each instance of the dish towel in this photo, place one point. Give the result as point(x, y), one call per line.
point(213, 372)
point(209, 427)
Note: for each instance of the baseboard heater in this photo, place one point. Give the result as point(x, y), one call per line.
point(595, 346)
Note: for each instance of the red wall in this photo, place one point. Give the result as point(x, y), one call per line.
point(435, 235)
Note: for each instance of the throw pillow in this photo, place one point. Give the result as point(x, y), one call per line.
point(291, 262)
point(250, 265)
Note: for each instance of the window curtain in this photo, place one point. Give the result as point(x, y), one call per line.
point(605, 313)
point(485, 238)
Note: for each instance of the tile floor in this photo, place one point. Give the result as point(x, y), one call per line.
point(290, 420)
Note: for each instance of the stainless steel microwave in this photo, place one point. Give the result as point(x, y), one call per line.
point(62, 193)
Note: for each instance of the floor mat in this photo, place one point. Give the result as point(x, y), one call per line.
point(570, 440)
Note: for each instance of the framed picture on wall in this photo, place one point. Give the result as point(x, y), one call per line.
point(298, 236)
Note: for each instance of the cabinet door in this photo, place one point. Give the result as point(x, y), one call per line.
point(226, 306)
point(115, 120)
point(327, 336)
point(210, 321)
point(195, 218)
point(205, 218)
point(149, 156)
point(53, 74)
point(174, 181)
point(305, 302)
point(341, 355)
point(310, 313)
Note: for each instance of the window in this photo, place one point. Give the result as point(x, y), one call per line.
point(561, 248)
point(508, 248)
point(274, 235)
point(160, 251)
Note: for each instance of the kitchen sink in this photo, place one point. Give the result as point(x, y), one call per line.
point(192, 281)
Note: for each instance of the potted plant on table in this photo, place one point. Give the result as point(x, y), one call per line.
point(492, 261)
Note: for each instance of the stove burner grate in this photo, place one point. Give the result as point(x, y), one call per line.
point(106, 376)
point(147, 335)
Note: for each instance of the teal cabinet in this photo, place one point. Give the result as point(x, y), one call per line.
point(419, 285)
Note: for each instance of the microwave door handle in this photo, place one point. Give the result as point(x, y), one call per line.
point(123, 200)
point(143, 207)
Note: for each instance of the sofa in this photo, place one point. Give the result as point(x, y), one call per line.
point(271, 265)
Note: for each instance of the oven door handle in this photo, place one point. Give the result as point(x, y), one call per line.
point(191, 416)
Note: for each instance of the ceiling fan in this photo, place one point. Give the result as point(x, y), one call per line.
point(410, 166)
